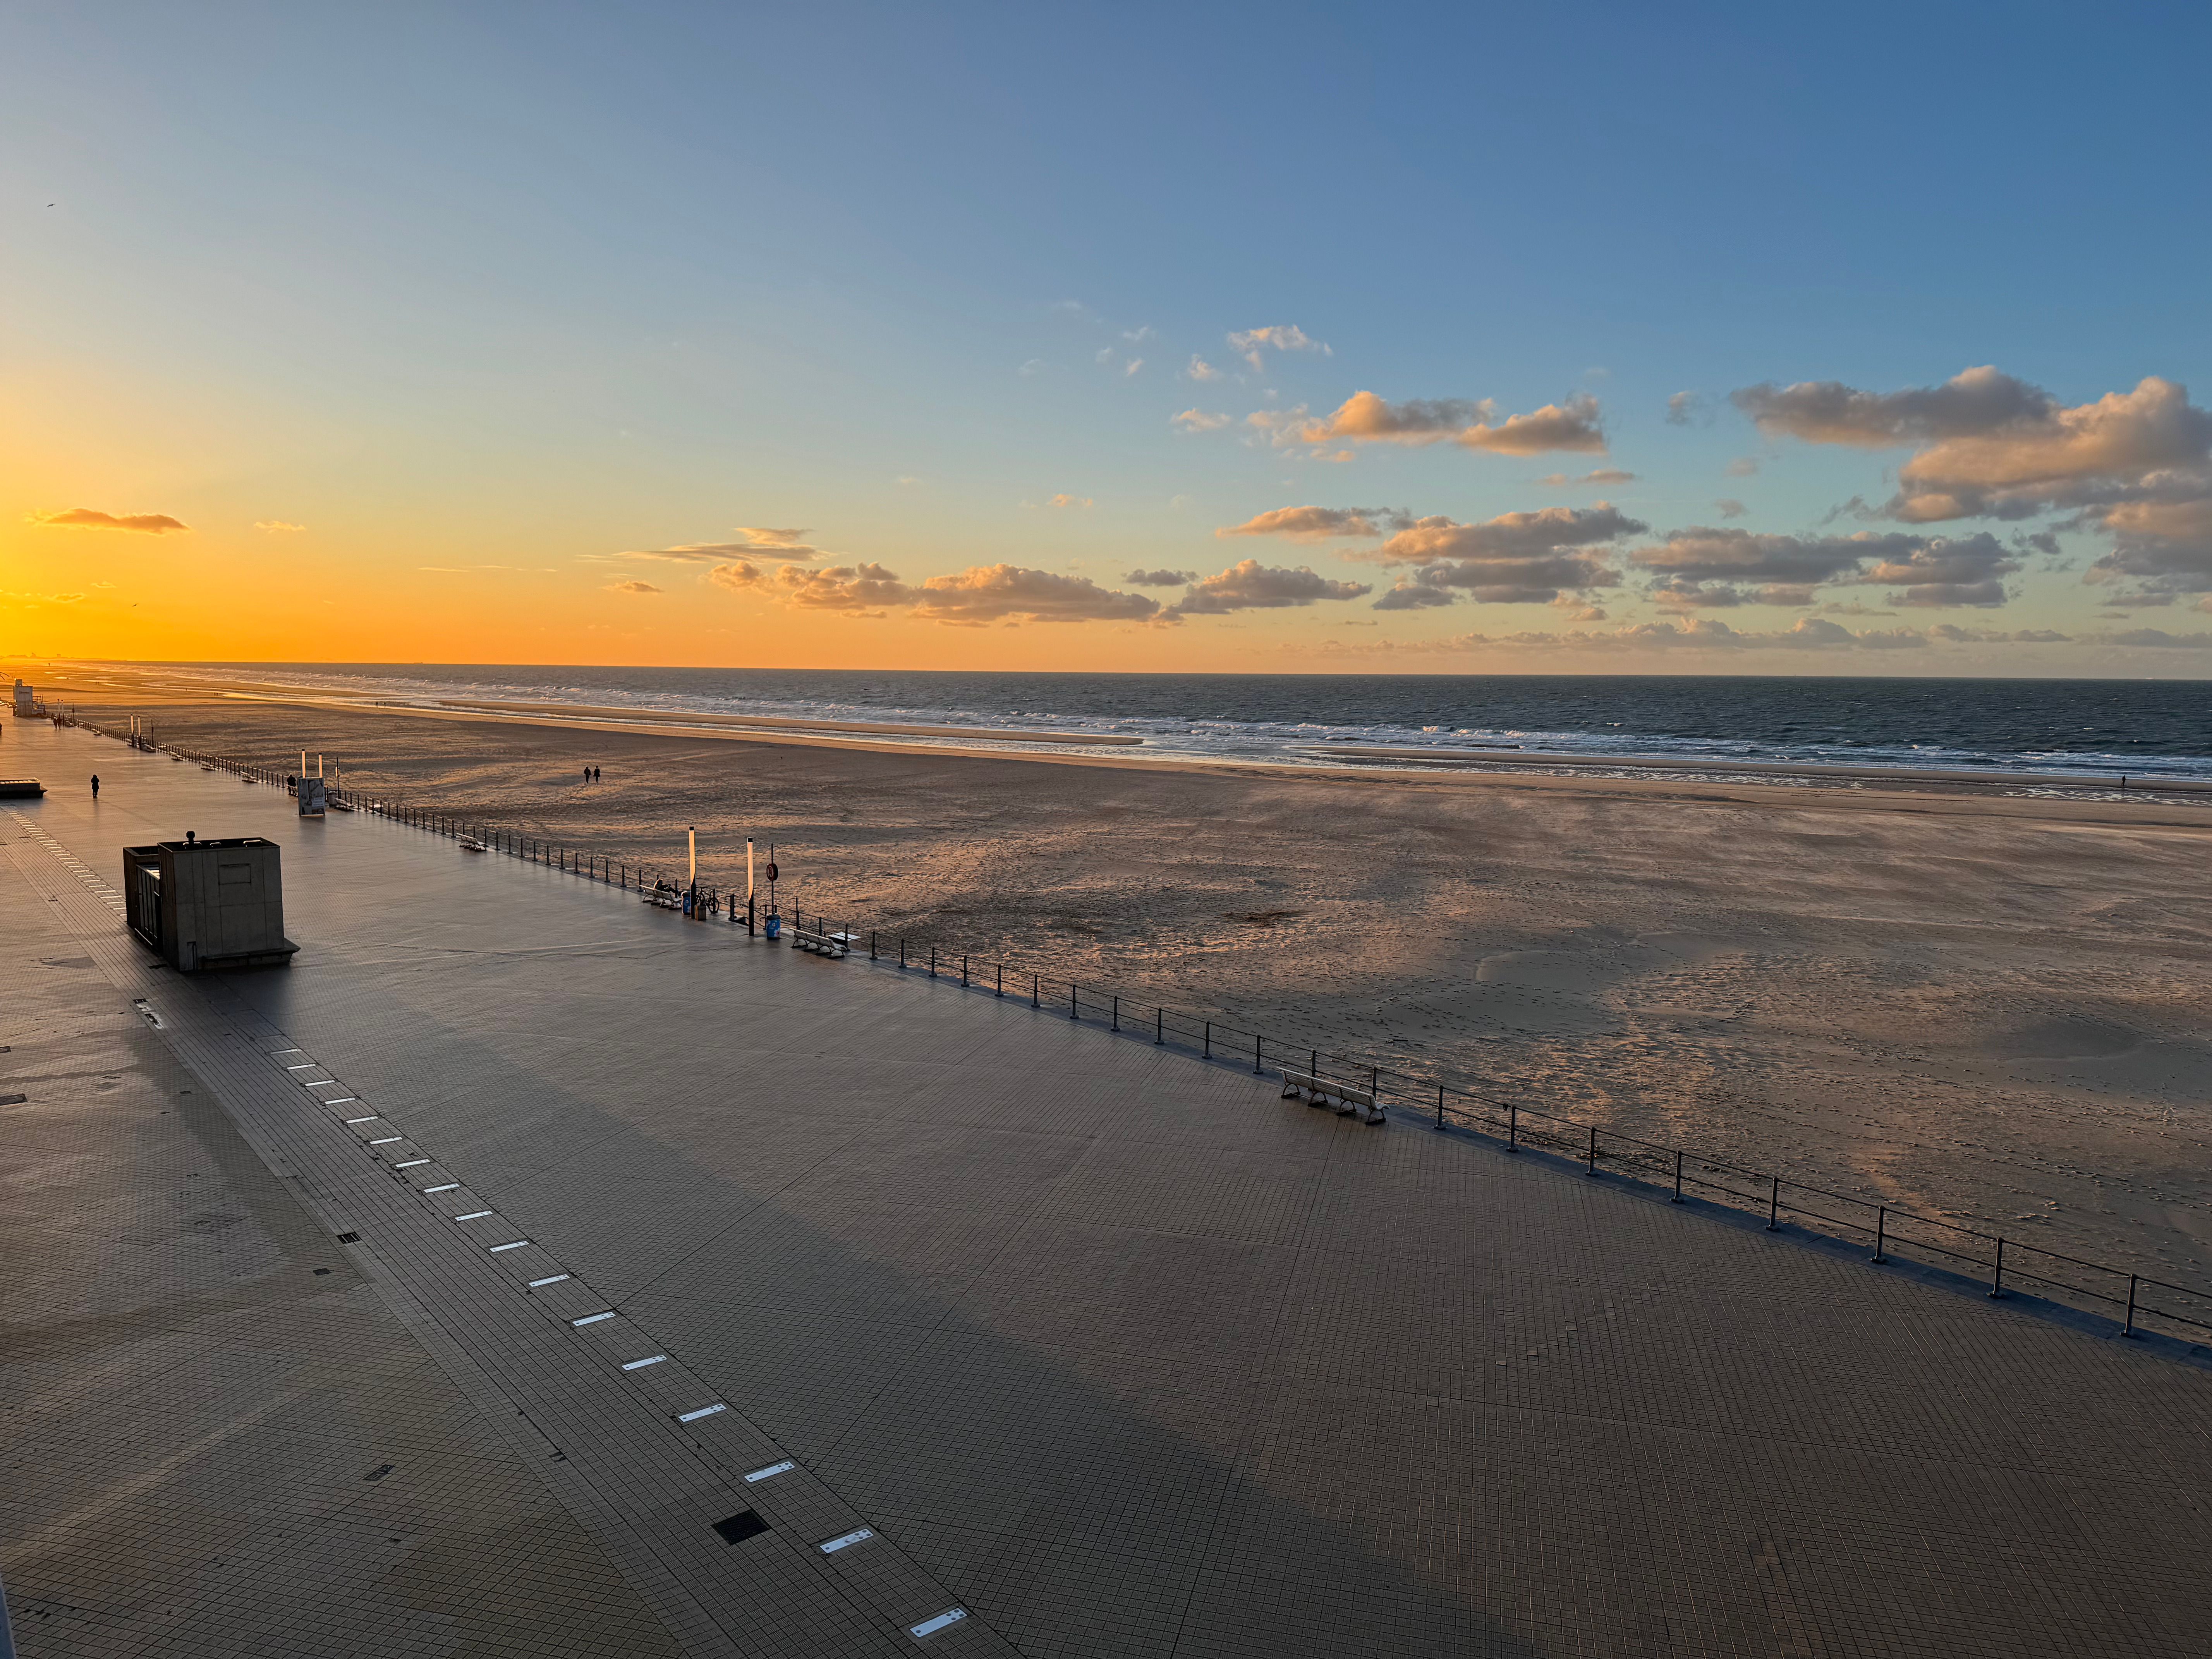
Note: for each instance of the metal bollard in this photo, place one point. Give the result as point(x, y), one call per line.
point(1033, 992)
point(1677, 1199)
point(1512, 1125)
point(999, 981)
point(1071, 999)
point(963, 973)
point(1159, 1026)
point(1997, 1279)
point(1440, 1105)
point(1592, 1170)
point(1880, 1228)
point(1774, 1206)
point(2128, 1325)
point(1209, 1039)
point(1256, 1042)
point(1116, 1025)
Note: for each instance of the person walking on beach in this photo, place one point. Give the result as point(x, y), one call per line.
point(95, 785)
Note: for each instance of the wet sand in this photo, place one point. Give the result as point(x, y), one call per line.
point(1977, 1005)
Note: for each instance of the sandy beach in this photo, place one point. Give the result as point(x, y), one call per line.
point(1976, 1005)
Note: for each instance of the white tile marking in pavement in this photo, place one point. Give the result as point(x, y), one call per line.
point(287, 1051)
point(371, 1118)
point(450, 1186)
point(639, 1365)
point(308, 1065)
point(387, 1140)
point(321, 1083)
point(340, 1100)
point(930, 1626)
point(412, 1164)
point(703, 1411)
point(556, 1280)
point(473, 1215)
point(591, 1319)
point(773, 1469)
point(857, 1535)
point(516, 1245)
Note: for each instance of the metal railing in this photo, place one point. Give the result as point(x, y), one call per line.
point(2136, 1302)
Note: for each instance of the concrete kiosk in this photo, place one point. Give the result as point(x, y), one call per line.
point(209, 903)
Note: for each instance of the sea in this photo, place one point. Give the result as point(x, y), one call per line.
point(2145, 729)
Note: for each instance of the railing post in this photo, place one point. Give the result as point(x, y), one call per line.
point(1313, 1062)
point(871, 936)
point(963, 973)
point(1774, 1206)
point(1593, 1152)
point(1071, 999)
point(1440, 1105)
point(902, 952)
point(999, 979)
point(1036, 988)
point(2128, 1325)
point(933, 962)
point(1159, 1026)
point(1209, 1039)
point(1880, 1233)
point(1512, 1125)
point(1116, 1025)
point(1997, 1277)
point(1256, 1041)
point(1677, 1199)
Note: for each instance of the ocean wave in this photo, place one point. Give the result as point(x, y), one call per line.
point(2144, 730)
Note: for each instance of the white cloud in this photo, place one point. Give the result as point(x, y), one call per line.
point(780, 544)
point(1320, 524)
point(1198, 420)
point(1251, 585)
point(978, 596)
point(1364, 418)
point(1201, 369)
point(1516, 558)
point(1597, 478)
point(86, 518)
point(1251, 343)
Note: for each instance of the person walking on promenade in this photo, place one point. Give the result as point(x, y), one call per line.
point(95, 785)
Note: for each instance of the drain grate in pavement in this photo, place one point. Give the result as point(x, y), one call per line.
point(349, 1238)
point(745, 1523)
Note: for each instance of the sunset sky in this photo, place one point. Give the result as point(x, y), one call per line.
point(1696, 339)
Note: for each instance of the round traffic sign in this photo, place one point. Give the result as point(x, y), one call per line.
point(771, 869)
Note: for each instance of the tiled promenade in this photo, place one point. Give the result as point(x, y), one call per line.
point(1109, 1352)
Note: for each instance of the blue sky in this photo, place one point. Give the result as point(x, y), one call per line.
point(483, 298)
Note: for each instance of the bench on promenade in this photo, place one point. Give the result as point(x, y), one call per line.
point(832, 946)
point(663, 898)
point(1320, 1091)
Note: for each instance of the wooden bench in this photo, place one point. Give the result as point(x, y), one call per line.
point(1320, 1091)
point(832, 946)
point(662, 899)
